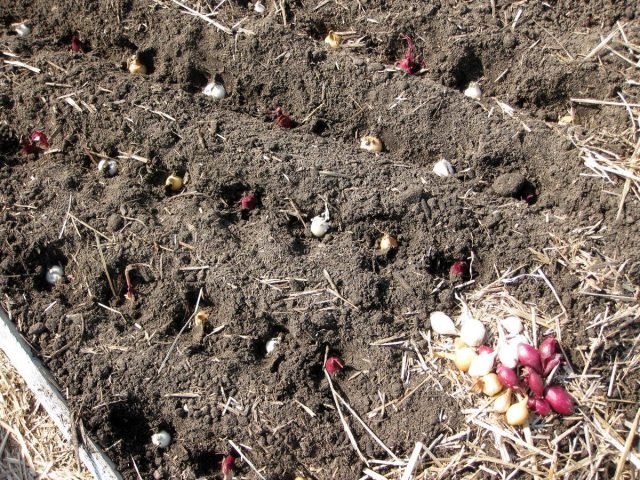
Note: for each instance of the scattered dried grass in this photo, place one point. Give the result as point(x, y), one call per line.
point(614, 155)
point(30, 444)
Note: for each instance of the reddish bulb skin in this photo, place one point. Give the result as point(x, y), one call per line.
point(547, 348)
point(507, 376)
point(249, 201)
point(78, 46)
point(27, 146)
point(551, 363)
point(529, 357)
point(458, 270)
point(540, 406)
point(227, 466)
point(408, 63)
point(40, 138)
point(485, 349)
point(534, 381)
point(282, 119)
point(333, 365)
point(36, 143)
point(560, 400)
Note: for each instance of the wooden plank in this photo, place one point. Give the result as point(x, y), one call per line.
point(44, 388)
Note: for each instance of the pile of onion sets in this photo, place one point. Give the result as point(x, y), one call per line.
point(515, 374)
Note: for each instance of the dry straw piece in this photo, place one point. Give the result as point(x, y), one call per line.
point(32, 446)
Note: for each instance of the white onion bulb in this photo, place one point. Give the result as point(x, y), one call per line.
point(54, 274)
point(271, 344)
point(508, 354)
point(473, 91)
point(108, 168)
point(215, 90)
point(512, 325)
point(472, 332)
point(22, 29)
point(508, 350)
point(482, 364)
point(442, 324)
point(259, 7)
point(161, 439)
point(443, 168)
point(319, 226)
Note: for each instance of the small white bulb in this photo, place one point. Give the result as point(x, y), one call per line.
point(371, 144)
point(442, 324)
point(161, 439)
point(472, 332)
point(54, 274)
point(482, 364)
point(512, 324)
point(443, 168)
point(508, 354)
point(108, 168)
point(473, 91)
point(215, 90)
point(333, 39)
point(259, 7)
point(271, 344)
point(319, 226)
point(22, 29)
point(566, 120)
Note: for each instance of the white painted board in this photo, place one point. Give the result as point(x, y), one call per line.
point(44, 388)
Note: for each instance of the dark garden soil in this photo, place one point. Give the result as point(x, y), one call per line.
point(261, 273)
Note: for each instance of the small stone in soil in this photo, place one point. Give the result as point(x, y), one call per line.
point(509, 184)
point(115, 222)
point(37, 329)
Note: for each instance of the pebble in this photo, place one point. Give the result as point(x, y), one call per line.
point(509, 41)
point(115, 222)
point(37, 329)
point(509, 184)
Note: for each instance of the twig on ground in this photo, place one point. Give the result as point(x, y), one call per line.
point(413, 460)
point(345, 425)
point(246, 459)
point(195, 13)
point(104, 266)
point(186, 324)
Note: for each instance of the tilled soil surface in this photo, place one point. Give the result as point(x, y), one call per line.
point(260, 273)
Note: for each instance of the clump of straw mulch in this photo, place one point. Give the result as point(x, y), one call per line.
point(598, 441)
point(30, 445)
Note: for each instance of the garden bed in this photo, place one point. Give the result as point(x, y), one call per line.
point(521, 201)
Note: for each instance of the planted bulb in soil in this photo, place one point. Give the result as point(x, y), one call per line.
point(271, 344)
point(23, 29)
point(371, 144)
point(259, 7)
point(319, 226)
point(473, 91)
point(333, 39)
point(443, 168)
point(215, 90)
point(173, 183)
point(135, 66)
point(54, 274)
point(161, 439)
point(386, 244)
point(108, 168)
